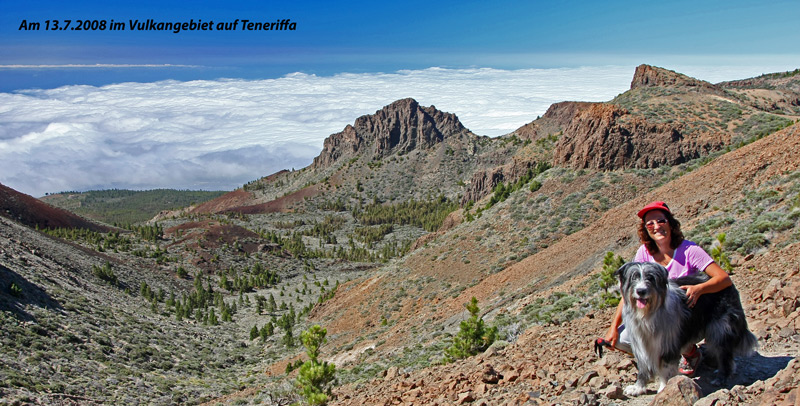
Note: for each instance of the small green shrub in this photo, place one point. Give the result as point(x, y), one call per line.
point(473, 338)
point(15, 290)
point(105, 273)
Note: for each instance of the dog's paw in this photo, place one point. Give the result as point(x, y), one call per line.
point(634, 390)
point(719, 381)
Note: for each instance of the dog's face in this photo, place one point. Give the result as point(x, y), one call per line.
point(643, 285)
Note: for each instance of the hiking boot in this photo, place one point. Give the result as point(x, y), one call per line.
point(690, 362)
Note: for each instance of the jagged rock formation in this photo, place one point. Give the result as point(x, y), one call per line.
point(651, 76)
point(599, 139)
point(399, 127)
point(606, 136)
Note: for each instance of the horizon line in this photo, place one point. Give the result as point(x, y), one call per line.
point(98, 65)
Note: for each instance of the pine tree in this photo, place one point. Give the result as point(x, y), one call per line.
point(611, 263)
point(288, 338)
point(254, 332)
point(315, 379)
point(473, 337)
point(267, 331)
point(272, 304)
point(720, 256)
point(286, 323)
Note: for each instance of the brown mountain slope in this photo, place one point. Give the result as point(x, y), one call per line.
point(33, 212)
point(236, 198)
point(775, 92)
point(564, 266)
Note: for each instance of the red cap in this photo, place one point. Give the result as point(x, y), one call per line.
point(653, 206)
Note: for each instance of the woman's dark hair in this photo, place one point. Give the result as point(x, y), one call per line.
point(676, 236)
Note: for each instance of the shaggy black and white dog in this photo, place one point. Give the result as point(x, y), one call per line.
point(661, 326)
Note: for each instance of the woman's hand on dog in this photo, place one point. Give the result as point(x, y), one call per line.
point(692, 293)
point(719, 280)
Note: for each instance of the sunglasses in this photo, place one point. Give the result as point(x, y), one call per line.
point(652, 223)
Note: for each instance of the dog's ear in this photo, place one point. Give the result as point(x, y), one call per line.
point(622, 272)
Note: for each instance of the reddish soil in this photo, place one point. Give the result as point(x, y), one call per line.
point(34, 213)
point(236, 198)
point(209, 236)
point(281, 204)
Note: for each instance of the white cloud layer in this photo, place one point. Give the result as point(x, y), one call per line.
point(220, 134)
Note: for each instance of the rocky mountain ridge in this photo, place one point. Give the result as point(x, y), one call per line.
point(401, 127)
point(619, 134)
point(651, 76)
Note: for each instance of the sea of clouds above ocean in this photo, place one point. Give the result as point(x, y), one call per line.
point(220, 134)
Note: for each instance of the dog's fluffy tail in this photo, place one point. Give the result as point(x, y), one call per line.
point(747, 346)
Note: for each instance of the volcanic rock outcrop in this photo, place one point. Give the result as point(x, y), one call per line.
point(399, 127)
point(599, 139)
point(606, 136)
point(651, 76)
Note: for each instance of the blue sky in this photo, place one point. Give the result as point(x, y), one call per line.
point(374, 36)
point(215, 109)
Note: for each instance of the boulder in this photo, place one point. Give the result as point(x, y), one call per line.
point(680, 391)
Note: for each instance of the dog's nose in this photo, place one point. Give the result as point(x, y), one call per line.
point(641, 291)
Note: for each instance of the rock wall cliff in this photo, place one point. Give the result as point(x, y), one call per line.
point(605, 137)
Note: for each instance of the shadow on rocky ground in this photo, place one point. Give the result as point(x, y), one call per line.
point(748, 371)
point(28, 294)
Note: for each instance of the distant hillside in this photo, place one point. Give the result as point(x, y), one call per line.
point(33, 213)
point(127, 206)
